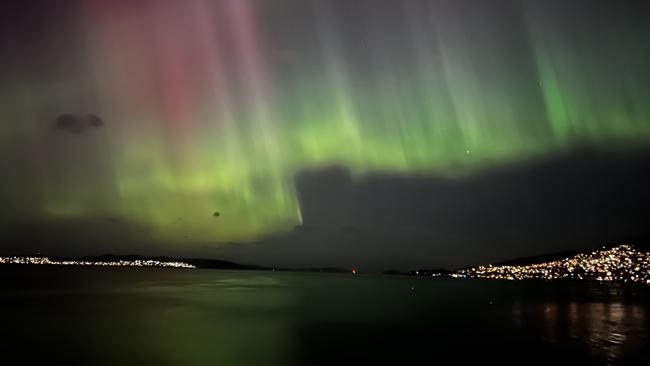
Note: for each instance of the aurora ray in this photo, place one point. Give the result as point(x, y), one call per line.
point(216, 105)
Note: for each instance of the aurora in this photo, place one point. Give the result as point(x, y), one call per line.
point(209, 109)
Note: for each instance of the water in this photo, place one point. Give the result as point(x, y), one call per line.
point(103, 316)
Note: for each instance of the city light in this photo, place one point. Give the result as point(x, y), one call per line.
point(120, 263)
point(623, 263)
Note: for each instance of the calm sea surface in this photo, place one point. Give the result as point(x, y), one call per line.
point(99, 316)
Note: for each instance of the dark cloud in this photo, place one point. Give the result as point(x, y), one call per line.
point(577, 200)
point(70, 123)
point(324, 194)
point(77, 124)
point(94, 120)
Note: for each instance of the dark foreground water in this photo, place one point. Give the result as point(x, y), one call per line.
point(94, 316)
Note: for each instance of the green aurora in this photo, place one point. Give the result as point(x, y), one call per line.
point(216, 105)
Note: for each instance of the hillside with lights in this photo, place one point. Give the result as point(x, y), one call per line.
point(623, 263)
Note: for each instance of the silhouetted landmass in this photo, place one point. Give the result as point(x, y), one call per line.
point(620, 263)
point(524, 261)
point(430, 272)
point(539, 258)
point(202, 263)
point(396, 273)
point(640, 241)
point(205, 263)
point(219, 264)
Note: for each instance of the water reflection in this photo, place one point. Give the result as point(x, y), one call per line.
point(158, 317)
point(607, 330)
point(551, 320)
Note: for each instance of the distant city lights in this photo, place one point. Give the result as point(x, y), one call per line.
point(621, 264)
point(120, 263)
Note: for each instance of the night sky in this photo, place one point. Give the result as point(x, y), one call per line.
point(378, 133)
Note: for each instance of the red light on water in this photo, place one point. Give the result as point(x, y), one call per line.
point(354, 271)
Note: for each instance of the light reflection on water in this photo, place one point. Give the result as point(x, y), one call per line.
point(608, 330)
point(252, 318)
point(605, 328)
